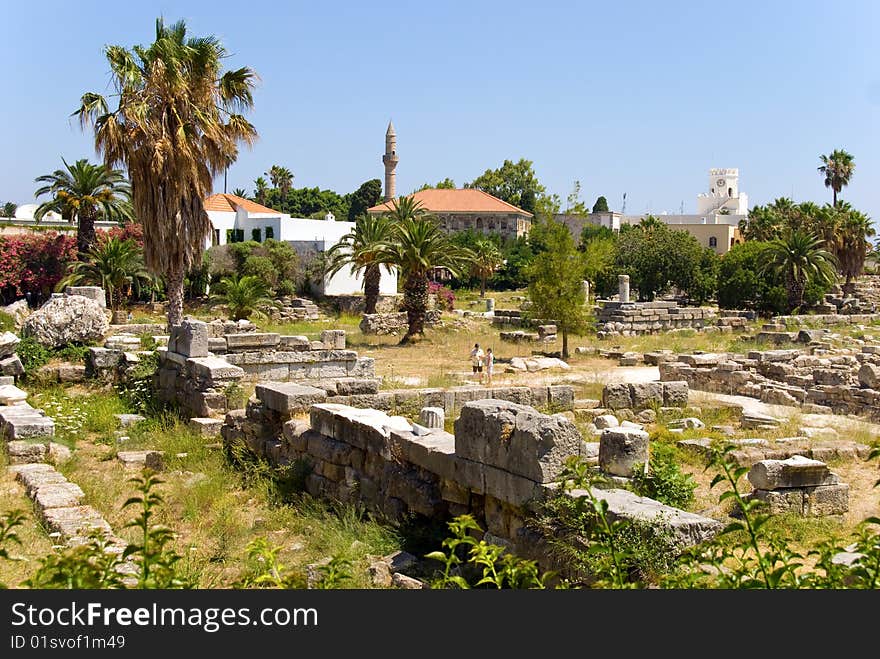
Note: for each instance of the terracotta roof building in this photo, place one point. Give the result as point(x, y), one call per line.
point(469, 208)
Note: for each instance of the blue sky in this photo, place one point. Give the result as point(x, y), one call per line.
point(635, 97)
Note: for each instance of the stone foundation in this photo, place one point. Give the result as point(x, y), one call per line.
point(394, 323)
point(634, 318)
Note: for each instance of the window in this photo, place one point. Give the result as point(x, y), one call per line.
point(234, 235)
point(270, 233)
point(729, 192)
point(230, 235)
point(255, 234)
point(713, 242)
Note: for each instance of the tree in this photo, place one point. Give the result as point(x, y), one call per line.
point(364, 197)
point(487, 259)
point(242, 296)
point(555, 283)
point(851, 244)
point(282, 179)
point(514, 183)
point(599, 246)
point(176, 126)
point(362, 249)
point(837, 168)
point(84, 192)
point(601, 205)
point(445, 184)
point(115, 265)
point(240, 192)
point(799, 259)
point(417, 246)
point(9, 209)
point(575, 205)
point(742, 284)
point(261, 189)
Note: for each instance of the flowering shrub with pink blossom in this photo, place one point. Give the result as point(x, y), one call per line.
point(444, 296)
point(34, 263)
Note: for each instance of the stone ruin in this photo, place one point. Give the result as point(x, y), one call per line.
point(291, 309)
point(798, 485)
point(394, 322)
point(845, 383)
point(502, 458)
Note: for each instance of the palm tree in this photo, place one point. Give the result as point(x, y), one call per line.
point(261, 189)
point(851, 244)
point(115, 265)
point(9, 209)
point(417, 246)
point(799, 258)
point(240, 192)
point(242, 296)
point(285, 181)
point(837, 169)
point(176, 126)
point(361, 249)
point(487, 258)
point(649, 223)
point(84, 192)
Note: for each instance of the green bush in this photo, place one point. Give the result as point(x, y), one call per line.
point(262, 268)
point(664, 480)
point(285, 287)
point(33, 355)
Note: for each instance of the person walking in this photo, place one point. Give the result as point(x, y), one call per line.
point(477, 357)
point(490, 366)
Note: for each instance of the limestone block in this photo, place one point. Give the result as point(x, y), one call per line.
point(644, 394)
point(515, 438)
point(213, 370)
point(606, 421)
point(621, 449)
point(11, 395)
point(75, 521)
point(869, 376)
point(675, 393)
point(510, 488)
point(11, 366)
point(796, 471)
point(616, 396)
point(35, 475)
point(22, 452)
point(205, 426)
point(190, 338)
point(333, 339)
point(217, 345)
point(432, 417)
point(71, 372)
point(293, 343)
point(251, 341)
point(58, 495)
point(826, 500)
point(8, 343)
point(688, 528)
point(560, 396)
point(95, 293)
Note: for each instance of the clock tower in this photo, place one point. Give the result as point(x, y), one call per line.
point(723, 195)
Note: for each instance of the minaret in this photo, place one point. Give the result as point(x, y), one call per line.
point(390, 161)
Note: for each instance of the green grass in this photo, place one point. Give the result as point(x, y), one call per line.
point(312, 328)
point(89, 410)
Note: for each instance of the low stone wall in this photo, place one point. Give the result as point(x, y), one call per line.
point(637, 396)
point(633, 318)
point(394, 323)
point(828, 319)
point(502, 458)
point(843, 384)
point(292, 309)
point(517, 318)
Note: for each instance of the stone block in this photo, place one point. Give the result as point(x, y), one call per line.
point(205, 426)
point(560, 396)
point(780, 502)
point(189, 339)
point(869, 376)
point(58, 495)
point(71, 372)
point(675, 393)
point(293, 343)
point(687, 528)
point(252, 341)
point(333, 339)
point(289, 399)
point(8, 343)
point(22, 452)
point(128, 420)
point(213, 370)
point(11, 366)
point(217, 345)
point(826, 500)
point(646, 394)
point(621, 449)
point(95, 293)
point(606, 421)
point(510, 488)
point(11, 395)
point(796, 471)
point(616, 396)
point(432, 417)
point(515, 438)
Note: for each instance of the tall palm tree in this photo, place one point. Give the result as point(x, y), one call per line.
point(176, 126)
point(837, 168)
point(115, 265)
point(261, 189)
point(84, 192)
point(418, 245)
point(361, 248)
point(487, 259)
point(240, 192)
point(851, 244)
point(799, 258)
point(274, 176)
point(285, 181)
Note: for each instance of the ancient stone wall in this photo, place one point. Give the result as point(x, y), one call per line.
point(394, 323)
point(354, 304)
point(633, 318)
point(502, 457)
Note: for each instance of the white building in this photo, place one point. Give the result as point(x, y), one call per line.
point(236, 219)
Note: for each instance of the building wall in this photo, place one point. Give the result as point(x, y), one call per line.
point(724, 235)
point(509, 225)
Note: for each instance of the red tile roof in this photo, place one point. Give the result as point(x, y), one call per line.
point(227, 203)
point(467, 200)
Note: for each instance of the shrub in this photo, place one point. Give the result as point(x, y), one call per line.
point(445, 298)
point(262, 268)
point(33, 355)
point(34, 263)
point(664, 480)
point(285, 287)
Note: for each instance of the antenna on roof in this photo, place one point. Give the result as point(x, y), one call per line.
point(623, 208)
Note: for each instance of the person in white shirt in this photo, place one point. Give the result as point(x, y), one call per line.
point(477, 357)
